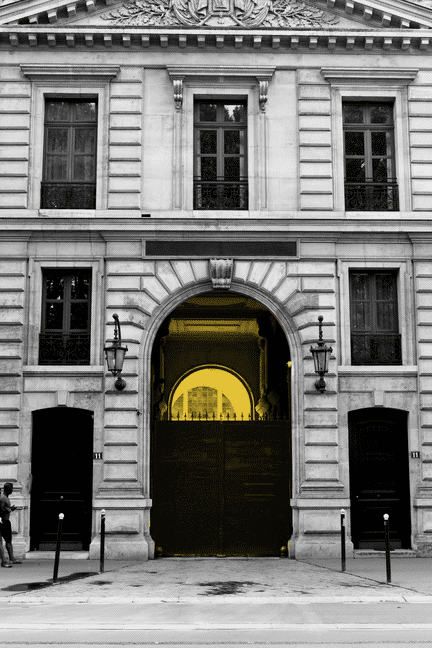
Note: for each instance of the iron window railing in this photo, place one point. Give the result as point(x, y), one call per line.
point(220, 194)
point(376, 349)
point(64, 349)
point(68, 195)
point(371, 196)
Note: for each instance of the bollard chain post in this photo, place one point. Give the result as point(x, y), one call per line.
point(57, 553)
point(387, 546)
point(102, 543)
point(343, 548)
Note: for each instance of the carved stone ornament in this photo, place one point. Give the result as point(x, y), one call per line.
point(221, 273)
point(220, 13)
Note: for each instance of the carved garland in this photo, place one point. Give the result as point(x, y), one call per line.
point(223, 13)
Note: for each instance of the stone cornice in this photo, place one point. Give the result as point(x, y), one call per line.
point(383, 76)
point(52, 71)
point(373, 40)
point(396, 13)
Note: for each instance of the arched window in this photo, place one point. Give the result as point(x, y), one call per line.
point(210, 392)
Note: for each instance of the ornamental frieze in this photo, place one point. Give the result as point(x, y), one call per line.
point(220, 13)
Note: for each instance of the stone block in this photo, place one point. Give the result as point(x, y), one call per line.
point(115, 453)
point(9, 454)
point(12, 299)
point(126, 89)
point(287, 288)
point(123, 522)
point(318, 284)
point(125, 105)
point(421, 170)
point(421, 154)
point(121, 435)
point(167, 275)
point(200, 270)
point(421, 139)
point(326, 435)
point(8, 472)
point(420, 108)
point(153, 286)
point(258, 272)
point(315, 138)
point(124, 184)
point(422, 185)
point(314, 122)
point(123, 282)
point(10, 152)
point(316, 202)
point(421, 203)
point(321, 453)
point(314, 107)
point(130, 267)
point(125, 121)
point(120, 472)
point(241, 270)
point(276, 274)
point(13, 201)
point(320, 417)
point(121, 417)
point(322, 521)
point(184, 272)
point(321, 472)
point(315, 154)
point(313, 91)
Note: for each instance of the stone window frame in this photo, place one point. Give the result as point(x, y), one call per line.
point(404, 310)
point(35, 279)
point(371, 84)
point(68, 82)
point(191, 83)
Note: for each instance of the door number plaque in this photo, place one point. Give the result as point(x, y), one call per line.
point(97, 455)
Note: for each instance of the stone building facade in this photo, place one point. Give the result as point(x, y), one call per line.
point(218, 174)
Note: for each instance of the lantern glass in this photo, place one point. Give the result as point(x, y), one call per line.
point(110, 354)
point(119, 358)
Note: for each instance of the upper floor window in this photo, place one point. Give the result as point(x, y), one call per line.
point(69, 167)
point(220, 167)
point(370, 177)
point(375, 338)
point(65, 330)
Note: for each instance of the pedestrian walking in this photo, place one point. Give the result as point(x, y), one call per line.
point(6, 530)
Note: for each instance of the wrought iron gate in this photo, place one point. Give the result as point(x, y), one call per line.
point(221, 487)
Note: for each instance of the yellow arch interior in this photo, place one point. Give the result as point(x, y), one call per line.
point(211, 391)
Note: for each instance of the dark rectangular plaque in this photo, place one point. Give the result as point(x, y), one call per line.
point(221, 248)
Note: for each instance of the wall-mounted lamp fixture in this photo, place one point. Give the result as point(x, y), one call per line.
point(115, 355)
point(321, 354)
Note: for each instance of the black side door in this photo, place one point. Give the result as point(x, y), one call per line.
point(62, 470)
point(379, 478)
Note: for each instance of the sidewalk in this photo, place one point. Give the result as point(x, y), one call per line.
point(218, 580)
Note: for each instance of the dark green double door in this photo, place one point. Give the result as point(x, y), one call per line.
point(221, 488)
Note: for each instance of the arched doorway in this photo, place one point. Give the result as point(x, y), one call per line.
point(62, 472)
point(221, 458)
point(379, 477)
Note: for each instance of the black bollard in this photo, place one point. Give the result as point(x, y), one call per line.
point(102, 543)
point(387, 546)
point(343, 549)
point(57, 553)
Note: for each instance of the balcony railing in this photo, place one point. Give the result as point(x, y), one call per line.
point(380, 349)
point(59, 349)
point(220, 194)
point(68, 195)
point(371, 196)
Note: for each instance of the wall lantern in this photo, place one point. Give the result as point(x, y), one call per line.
point(321, 354)
point(115, 355)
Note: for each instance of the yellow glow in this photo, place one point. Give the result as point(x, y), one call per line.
point(228, 387)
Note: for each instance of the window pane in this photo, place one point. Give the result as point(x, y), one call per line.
point(386, 316)
point(208, 141)
point(54, 287)
point(208, 168)
point(355, 170)
point(80, 287)
point(380, 143)
point(361, 316)
point(232, 141)
point(354, 143)
point(79, 316)
point(54, 316)
point(360, 287)
point(207, 111)
point(85, 111)
point(353, 114)
point(234, 113)
point(381, 170)
point(85, 140)
point(57, 110)
point(381, 115)
point(57, 140)
point(232, 168)
point(385, 287)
